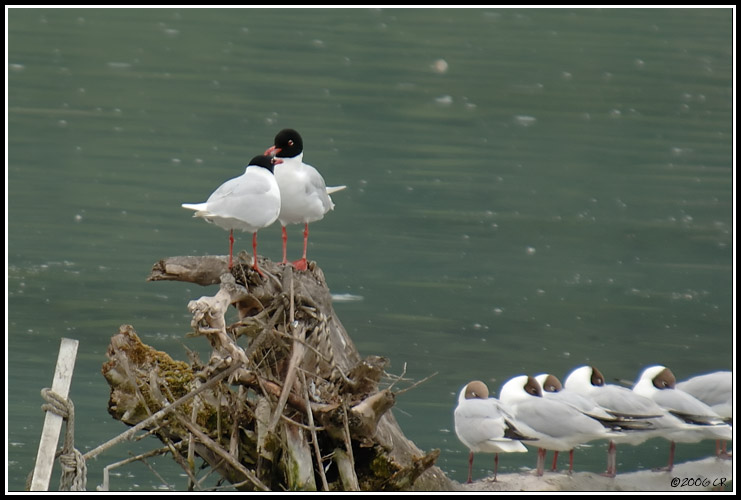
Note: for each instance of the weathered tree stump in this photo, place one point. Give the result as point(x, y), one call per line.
point(300, 410)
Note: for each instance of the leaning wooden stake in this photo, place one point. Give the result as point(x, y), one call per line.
point(53, 422)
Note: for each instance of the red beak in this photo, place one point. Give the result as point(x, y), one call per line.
point(272, 151)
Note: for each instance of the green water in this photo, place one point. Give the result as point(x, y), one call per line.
point(559, 192)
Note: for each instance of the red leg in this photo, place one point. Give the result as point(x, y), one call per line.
point(670, 464)
point(611, 460)
point(540, 467)
point(555, 461)
point(496, 465)
point(301, 264)
point(231, 246)
point(254, 253)
point(284, 237)
point(470, 466)
point(571, 461)
point(721, 451)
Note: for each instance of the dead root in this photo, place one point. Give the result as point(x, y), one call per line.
point(299, 410)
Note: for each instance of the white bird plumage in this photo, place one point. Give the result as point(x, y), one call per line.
point(249, 202)
point(658, 383)
point(304, 194)
point(715, 389)
point(622, 402)
point(556, 425)
point(484, 425)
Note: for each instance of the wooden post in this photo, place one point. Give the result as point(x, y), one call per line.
point(53, 422)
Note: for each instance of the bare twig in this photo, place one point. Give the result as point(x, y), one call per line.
point(416, 384)
point(348, 445)
point(107, 470)
point(213, 446)
point(400, 377)
point(296, 356)
point(314, 441)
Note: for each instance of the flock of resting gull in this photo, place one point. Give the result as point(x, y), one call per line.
point(544, 413)
point(540, 411)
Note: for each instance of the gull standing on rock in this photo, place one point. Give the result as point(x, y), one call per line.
point(484, 425)
point(658, 384)
point(553, 389)
point(556, 425)
point(622, 402)
point(715, 389)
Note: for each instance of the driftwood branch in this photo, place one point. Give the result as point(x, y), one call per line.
point(302, 409)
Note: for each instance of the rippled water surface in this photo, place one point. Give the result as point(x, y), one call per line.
point(528, 190)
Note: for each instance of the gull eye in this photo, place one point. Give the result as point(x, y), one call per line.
point(290, 142)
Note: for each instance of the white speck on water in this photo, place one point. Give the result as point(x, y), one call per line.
point(498, 310)
point(16, 67)
point(525, 120)
point(346, 297)
point(440, 66)
point(530, 250)
point(119, 65)
point(78, 218)
point(176, 160)
point(444, 100)
point(62, 123)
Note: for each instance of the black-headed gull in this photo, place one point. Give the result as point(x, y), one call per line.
point(248, 202)
point(553, 388)
point(556, 425)
point(484, 425)
point(304, 195)
point(715, 389)
point(622, 402)
point(658, 384)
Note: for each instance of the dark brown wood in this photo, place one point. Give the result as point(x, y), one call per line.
point(294, 360)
